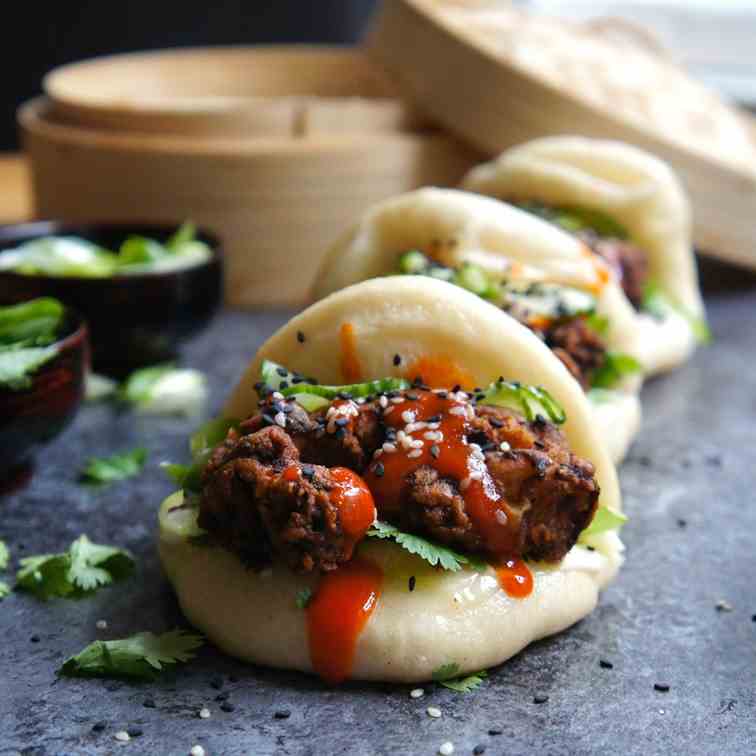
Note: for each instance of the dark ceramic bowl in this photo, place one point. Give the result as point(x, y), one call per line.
point(134, 320)
point(32, 416)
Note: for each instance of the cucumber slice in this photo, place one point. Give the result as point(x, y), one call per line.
point(178, 520)
point(531, 401)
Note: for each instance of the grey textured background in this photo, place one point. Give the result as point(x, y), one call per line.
point(695, 461)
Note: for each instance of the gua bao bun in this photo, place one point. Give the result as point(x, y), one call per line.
point(421, 617)
point(639, 194)
point(463, 231)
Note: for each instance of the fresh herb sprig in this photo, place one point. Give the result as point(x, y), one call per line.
point(139, 657)
point(75, 573)
point(448, 676)
point(120, 466)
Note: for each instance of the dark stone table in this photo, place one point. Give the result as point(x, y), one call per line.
point(690, 491)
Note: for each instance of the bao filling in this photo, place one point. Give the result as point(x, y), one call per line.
point(605, 238)
point(305, 487)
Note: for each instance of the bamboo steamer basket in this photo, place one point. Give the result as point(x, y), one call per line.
point(275, 149)
point(496, 77)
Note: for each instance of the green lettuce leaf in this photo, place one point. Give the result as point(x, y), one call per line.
point(616, 367)
point(139, 657)
point(604, 519)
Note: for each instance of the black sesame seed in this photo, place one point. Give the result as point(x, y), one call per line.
point(379, 469)
point(681, 523)
point(591, 548)
point(344, 395)
point(715, 460)
point(397, 359)
point(411, 583)
point(217, 683)
point(227, 706)
point(300, 337)
point(222, 696)
point(149, 703)
point(479, 397)
point(492, 733)
point(99, 726)
point(539, 698)
point(605, 664)
point(435, 451)
point(661, 687)
point(297, 379)
point(35, 639)
point(442, 395)
point(135, 732)
point(479, 749)
point(753, 618)
point(308, 471)
point(644, 461)
point(283, 372)
point(434, 419)
point(282, 714)
point(412, 397)
point(456, 388)
point(540, 419)
point(339, 434)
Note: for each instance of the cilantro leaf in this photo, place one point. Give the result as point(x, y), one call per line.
point(138, 657)
point(448, 676)
point(466, 684)
point(17, 365)
point(102, 470)
point(659, 303)
point(4, 555)
point(433, 553)
point(303, 598)
point(77, 572)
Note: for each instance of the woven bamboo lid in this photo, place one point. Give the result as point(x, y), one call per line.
point(497, 76)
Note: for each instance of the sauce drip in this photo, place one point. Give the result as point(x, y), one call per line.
point(355, 504)
point(515, 578)
point(350, 361)
point(451, 455)
point(337, 614)
point(440, 372)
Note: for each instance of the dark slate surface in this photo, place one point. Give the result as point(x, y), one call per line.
point(689, 488)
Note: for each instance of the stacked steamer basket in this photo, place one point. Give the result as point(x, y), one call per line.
point(276, 149)
point(497, 76)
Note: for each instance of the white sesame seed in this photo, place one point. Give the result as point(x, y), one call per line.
point(474, 448)
point(417, 443)
point(434, 712)
point(504, 446)
point(388, 447)
point(101, 624)
point(123, 736)
point(415, 453)
point(204, 713)
point(383, 401)
point(397, 399)
point(464, 484)
point(434, 426)
point(429, 435)
point(417, 693)
point(278, 396)
point(408, 416)
point(406, 442)
point(476, 475)
point(361, 400)
point(446, 749)
point(197, 750)
point(280, 419)
point(401, 435)
point(457, 409)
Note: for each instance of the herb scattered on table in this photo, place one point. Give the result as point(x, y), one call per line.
point(104, 470)
point(165, 390)
point(4, 559)
point(139, 657)
point(75, 573)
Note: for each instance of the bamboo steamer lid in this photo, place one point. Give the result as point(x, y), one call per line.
point(498, 76)
point(275, 149)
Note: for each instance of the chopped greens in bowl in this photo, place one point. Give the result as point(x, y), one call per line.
point(76, 257)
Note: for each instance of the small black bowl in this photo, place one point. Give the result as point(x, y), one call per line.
point(134, 320)
point(32, 416)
